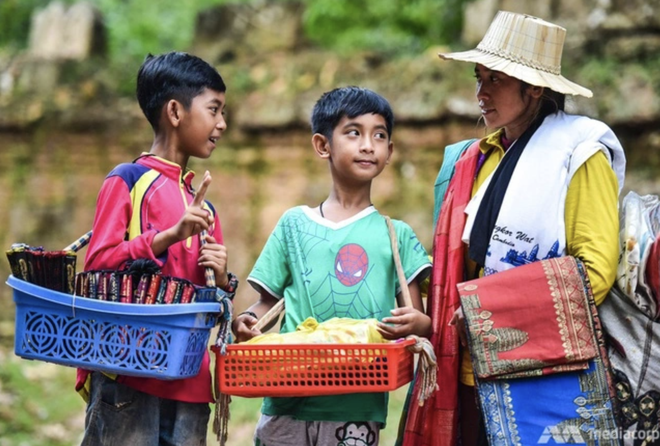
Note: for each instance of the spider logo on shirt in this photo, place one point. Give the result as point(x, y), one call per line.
point(351, 264)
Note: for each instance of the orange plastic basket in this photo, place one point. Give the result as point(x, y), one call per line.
point(313, 370)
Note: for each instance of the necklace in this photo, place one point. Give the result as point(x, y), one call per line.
point(321, 208)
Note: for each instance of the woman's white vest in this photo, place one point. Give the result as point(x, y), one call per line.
point(530, 225)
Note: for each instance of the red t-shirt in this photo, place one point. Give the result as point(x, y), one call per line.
point(122, 233)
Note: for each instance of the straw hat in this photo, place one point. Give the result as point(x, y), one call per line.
point(524, 47)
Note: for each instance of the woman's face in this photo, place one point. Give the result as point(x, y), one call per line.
point(504, 103)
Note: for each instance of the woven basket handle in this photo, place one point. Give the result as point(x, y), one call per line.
point(275, 311)
point(209, 274)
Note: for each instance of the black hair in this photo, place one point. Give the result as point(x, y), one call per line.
point(174, 75)
point(351, 102)
point(551, 100)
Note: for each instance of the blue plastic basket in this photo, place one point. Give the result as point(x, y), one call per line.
point(154, 341)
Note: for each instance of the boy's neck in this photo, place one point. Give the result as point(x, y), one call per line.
point(163, 148)
point(341, 205)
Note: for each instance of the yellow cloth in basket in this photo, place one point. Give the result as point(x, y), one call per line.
point(337, 330)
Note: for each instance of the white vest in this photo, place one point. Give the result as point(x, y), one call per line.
point(530, 225)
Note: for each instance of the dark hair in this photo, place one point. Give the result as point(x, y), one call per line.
point(174, 75)
point(351, 102)
point(551, 101)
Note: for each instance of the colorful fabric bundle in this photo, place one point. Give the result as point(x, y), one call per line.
point(54, 270)
point(634, 352)
point(529, 327)
point(147, 288)
point(637, 271)
point(515, 335)
point(338, 330)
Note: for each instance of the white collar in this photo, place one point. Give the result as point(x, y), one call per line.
point(313, 215)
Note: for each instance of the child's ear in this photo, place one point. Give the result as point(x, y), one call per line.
point(390, 151)
point(173, 110)
point(321, 145)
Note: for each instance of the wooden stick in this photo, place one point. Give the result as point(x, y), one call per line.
point(209, 274)
point(271, 315)
point(403, 283)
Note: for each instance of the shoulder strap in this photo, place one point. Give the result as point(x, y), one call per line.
point(452, 153)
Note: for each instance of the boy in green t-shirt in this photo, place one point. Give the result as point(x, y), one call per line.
point(335, 260)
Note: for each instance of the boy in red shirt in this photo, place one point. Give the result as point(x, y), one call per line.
point(148, 209)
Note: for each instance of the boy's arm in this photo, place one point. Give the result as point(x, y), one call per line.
point(416, 267)
point(108, 248)
point(242, 325)
point(405, 320)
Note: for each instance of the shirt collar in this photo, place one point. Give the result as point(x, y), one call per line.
point(168, 168)
point(492, 141)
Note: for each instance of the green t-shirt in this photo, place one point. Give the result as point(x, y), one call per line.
point(325, 269)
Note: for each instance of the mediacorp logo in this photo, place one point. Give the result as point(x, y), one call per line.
point(562, 435)
point(574, 435)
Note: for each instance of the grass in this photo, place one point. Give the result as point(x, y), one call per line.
point(39, 407)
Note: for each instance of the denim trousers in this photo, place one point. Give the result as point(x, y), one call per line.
point(119, 415)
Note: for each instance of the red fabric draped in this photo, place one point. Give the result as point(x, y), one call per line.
point(436, 423)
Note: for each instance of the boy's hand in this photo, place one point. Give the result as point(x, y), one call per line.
point(403, 322)
point(195, 219)
point(214, 255)
point(458, 322)
point(242, 327)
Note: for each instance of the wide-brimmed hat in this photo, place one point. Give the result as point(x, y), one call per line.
point(524, 47)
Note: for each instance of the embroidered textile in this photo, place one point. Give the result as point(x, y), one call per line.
point(566, 407)
point(512, 332)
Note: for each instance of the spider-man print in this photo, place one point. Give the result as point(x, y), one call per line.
point(351, 264)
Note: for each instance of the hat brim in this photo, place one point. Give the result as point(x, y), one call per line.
point(530, 75)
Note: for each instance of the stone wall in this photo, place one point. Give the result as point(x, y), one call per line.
point(275, 75)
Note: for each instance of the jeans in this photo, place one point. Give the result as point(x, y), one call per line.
point(118, 415)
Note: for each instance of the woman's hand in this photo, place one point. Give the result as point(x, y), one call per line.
point(403, 322)
point(458, 321)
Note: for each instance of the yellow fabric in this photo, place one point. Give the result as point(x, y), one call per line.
point(337, 330)
point(591, 219)
point(86, 390)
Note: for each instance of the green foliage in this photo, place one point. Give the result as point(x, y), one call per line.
point(138, 27)
point(15, 18)
point(394, 26)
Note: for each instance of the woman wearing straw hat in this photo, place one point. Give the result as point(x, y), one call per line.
point(544, 184)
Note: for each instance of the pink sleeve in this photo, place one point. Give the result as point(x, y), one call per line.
point(217, 229)
point(108, 248)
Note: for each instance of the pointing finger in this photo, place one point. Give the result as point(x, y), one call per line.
point(201, 191)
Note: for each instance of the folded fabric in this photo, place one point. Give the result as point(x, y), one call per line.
point(557, 315)
point(531, 320)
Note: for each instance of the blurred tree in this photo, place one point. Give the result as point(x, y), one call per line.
point(391, 26)
point(15, 18)
point(138, 27)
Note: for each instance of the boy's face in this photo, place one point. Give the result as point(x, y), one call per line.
point(202, 124)
point(360, 148)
